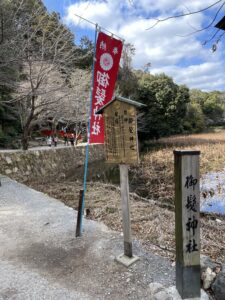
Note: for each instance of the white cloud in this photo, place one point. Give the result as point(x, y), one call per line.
point(107, 14)
point(160, 46)
point(172, 6)
point(183, 58)
point(208, 75)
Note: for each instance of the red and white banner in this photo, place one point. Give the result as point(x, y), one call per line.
point(107, 58)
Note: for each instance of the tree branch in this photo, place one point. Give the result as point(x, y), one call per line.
point(183, 14)
point(206, 27)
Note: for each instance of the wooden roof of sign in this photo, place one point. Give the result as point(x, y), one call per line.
point(121, 99)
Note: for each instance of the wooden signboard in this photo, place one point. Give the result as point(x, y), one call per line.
point(121, 147)
point(121, 143)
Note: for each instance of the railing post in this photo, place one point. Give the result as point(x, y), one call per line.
point(187, 223)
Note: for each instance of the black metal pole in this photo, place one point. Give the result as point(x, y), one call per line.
point(79, 214)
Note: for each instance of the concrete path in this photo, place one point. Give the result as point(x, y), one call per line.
point(41, 259)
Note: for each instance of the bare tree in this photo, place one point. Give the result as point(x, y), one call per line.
point(43, 51)
point(127, 82)
point(73, 111)
point(39, 96)
point(80, 101)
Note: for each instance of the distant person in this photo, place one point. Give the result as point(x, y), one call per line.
point(65, 139)
point(72, 139)
point(55, 141)
point(49, 141)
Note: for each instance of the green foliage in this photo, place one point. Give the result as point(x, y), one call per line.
point(9, 124)
point(172, 109)
point(214, 110)
point(166, 105)
point(84, 53)
point(194, 121)
point(212, 105)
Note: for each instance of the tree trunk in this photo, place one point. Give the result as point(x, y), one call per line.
point(27, 126)
point(25, 139)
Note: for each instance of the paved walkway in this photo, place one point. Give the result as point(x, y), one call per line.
point(41, 259)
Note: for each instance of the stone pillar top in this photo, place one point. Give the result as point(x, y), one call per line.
point(186, 152)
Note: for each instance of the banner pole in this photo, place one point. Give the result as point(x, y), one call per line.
point(103, 29)
point(88, 137)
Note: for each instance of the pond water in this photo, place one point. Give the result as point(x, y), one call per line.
point(213, 193)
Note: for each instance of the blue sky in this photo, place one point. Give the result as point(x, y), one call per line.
point(168, 46)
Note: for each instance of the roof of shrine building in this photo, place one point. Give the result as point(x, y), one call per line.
point(121, 99)
point(221, 24)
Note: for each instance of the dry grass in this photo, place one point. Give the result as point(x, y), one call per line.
point(156, 170)
point(153, 220)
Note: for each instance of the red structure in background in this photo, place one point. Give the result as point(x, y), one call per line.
point(48, 132)
point(59, 133)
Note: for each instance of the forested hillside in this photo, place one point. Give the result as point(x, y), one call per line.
point(45, 78)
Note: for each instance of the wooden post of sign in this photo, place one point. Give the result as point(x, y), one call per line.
point(124, 185)
point(121, 147)
point(187, 223)
point(127, 258)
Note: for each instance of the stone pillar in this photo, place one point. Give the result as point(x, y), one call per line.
point(187, 223)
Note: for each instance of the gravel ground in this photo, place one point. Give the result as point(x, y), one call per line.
point(41, 259)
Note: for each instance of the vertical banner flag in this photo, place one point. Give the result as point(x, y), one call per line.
point(107, 58)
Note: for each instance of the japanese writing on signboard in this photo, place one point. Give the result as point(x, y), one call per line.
point(107, 58)
point(121, 133)
point(191, 223)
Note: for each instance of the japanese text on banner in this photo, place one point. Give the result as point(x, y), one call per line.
point(107, 58)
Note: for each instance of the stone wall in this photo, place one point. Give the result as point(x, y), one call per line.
point(47, 164)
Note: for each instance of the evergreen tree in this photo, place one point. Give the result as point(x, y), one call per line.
point(166, 105)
